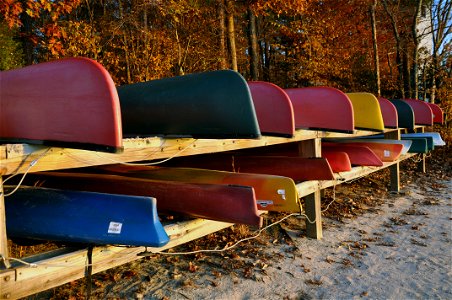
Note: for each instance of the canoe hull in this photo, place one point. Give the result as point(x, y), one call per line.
point(226, 203)
point(389, 113)
point(405, 114)
point(435, 136)
point(83, 217)
point(339, 161)
point(273, 193)
point(386, 152)
point(359, 155)
point(214, 104)
point(297, 168)
point(322, 108)
point(438, 114)
point(366, 111)
point(64, 103)
point(274, 110)
point(423, 114)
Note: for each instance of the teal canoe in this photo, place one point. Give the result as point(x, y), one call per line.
point(405, 114)
point(216, 104)
point(418, 145)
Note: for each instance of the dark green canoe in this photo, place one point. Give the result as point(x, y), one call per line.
point(428, 141)
point(405, 114)
point(418, 145)
point(214, 104)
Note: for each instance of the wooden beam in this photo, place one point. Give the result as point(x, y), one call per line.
point(312, 148)
point(4, 259)
point(20, 156)
point(394, 169)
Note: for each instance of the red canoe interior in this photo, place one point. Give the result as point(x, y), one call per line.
point(385, 152)
point(273, 109)
point(70, 102)
point(338, 160)
point(297, 168)
point(423, 114)
point(322, 108)
point(389, 113)
point(359, 155)
point(220, 202)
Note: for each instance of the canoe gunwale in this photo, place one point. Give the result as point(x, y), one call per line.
point(62, 144)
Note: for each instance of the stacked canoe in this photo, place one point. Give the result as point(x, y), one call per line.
point(80, 107)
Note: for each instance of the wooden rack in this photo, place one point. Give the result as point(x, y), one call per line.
point(67, 264)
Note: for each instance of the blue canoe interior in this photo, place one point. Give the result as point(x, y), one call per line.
point(83, 217)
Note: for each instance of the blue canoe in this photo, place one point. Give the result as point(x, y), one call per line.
point(83, 217)
point(437, 140)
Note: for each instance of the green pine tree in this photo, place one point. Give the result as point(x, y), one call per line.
point(11, 55)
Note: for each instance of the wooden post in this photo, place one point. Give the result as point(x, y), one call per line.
point(312, 148)
point(3, 239)
point(421, 166)
point(394, 169)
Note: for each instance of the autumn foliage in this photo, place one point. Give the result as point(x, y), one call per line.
point(299, 42)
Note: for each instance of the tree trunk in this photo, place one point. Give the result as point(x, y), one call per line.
point(252, 36)
point(231, 33)
point(373, 8)
point(222, 22)
point(398, 48)
point(126, 45)
point(415, 70)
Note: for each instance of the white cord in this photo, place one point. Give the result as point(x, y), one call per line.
point(232, 246)
point(151, 163)
point(32, 163)
point(334, 197)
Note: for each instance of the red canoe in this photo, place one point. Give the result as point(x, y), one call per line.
point(273, 109)
point(359, 155)
point(297, 168)
point(67, 103)
point(438, 114)
point(389, 113)
point(386, 152)
point(322, 108)
point(339, 161)
point(226, 203)
point(423, 114)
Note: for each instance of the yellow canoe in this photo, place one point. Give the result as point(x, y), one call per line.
point(367, 112)
point(273, 193)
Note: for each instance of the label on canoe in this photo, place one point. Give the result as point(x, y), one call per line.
point(282, 192)
point(115, 228)
point(264, 203)
point(386, 153)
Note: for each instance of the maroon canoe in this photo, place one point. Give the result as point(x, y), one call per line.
point(226, 203)
point(297, 168)
point(322, 108)
point(338, 160)
point(66, 103)
point(438, 114)
point(359, 155)
point(273, 109)
point(423, 114)
point(386, 152)
point(389, 113)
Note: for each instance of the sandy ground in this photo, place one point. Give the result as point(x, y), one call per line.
point(375, 245)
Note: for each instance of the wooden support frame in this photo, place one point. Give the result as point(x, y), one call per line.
point(3, 239)
point(64, 265)
point(422, 166)
point(394, 169)
point(312, 148)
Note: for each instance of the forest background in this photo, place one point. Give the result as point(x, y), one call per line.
point(393, 48)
